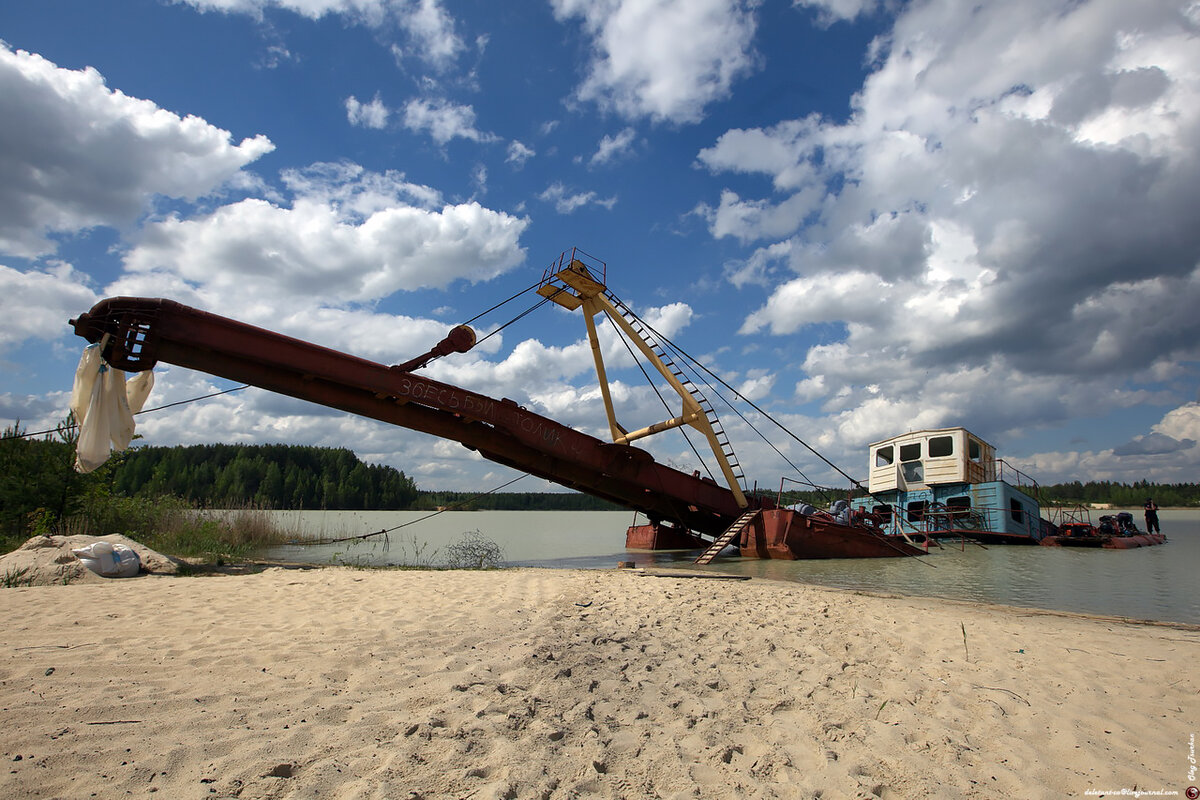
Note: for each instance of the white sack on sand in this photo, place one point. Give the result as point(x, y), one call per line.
point(48, 559)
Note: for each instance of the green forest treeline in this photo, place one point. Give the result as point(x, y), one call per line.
point(39, 487)
point(1118, 495)
point(268, 476)
point(280, 476)
point(1124, 495)
point(302, 477)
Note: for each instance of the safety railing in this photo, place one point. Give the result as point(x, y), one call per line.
point(1009, 474)
point(597, 268)
point(939, 520)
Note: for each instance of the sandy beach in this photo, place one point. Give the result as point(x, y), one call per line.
point(526, 683)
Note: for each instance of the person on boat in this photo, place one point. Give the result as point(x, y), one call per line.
point(1151, 509)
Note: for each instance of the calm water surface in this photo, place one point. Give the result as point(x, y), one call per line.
point(1146, 583)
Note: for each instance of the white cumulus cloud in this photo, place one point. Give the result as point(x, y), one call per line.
point(271, 250)
point(999, 218)
point(613, 147)
point(78, 154)
point(429, 27)
point(369, 115)
point(37, 304)
point(519, 153)
point(348, 239)
point(443, 120)
point(663, 59)
point(566, 201)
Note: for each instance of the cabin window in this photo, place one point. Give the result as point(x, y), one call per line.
point(916, 510)
point(1017, 510)
point(884, 513)
point(974, 449)
point(910, 452)
point(883, 456)
point(941, 446)
point(914, 471)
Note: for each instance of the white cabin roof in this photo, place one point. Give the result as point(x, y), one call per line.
point(918, 459)
point(925, 433)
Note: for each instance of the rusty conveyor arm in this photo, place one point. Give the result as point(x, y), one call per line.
point(144, 331)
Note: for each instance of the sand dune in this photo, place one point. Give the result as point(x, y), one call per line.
point(559, 684)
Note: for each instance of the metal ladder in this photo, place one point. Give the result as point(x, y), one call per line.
point(731, 533)
point(722, 439)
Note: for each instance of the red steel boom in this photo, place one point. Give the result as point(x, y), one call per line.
point(136, 333)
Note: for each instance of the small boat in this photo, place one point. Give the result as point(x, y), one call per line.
point(1112, 533)
point(946, 483)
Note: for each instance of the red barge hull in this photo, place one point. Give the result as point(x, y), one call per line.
point(790, 535)
point(661, 537)
point(783, 534)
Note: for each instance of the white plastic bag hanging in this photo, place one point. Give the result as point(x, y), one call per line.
point(85, 380)
point(137, 389)
point(104, 405)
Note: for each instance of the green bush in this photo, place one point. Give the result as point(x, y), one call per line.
point(474, 551)
point(41, 493)
point(38, 486)
point(170, 526)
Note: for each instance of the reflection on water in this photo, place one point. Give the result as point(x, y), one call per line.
point(1145, 583)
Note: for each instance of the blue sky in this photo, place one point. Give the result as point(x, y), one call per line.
point(868, 216)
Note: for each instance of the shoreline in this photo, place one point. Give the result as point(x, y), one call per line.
point(534, 682)
point(665, 572)
point(251, 567)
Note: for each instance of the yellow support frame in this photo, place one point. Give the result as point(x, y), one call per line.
point(580, 289)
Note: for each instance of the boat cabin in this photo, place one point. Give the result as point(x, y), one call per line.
point(946, 482)
point(919, 459)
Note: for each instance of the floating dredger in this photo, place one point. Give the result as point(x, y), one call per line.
point(684, 510)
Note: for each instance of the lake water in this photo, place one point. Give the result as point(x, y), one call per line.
point(1157, 583)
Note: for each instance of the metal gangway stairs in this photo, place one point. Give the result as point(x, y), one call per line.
point(651, 341)
point(726, 538)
